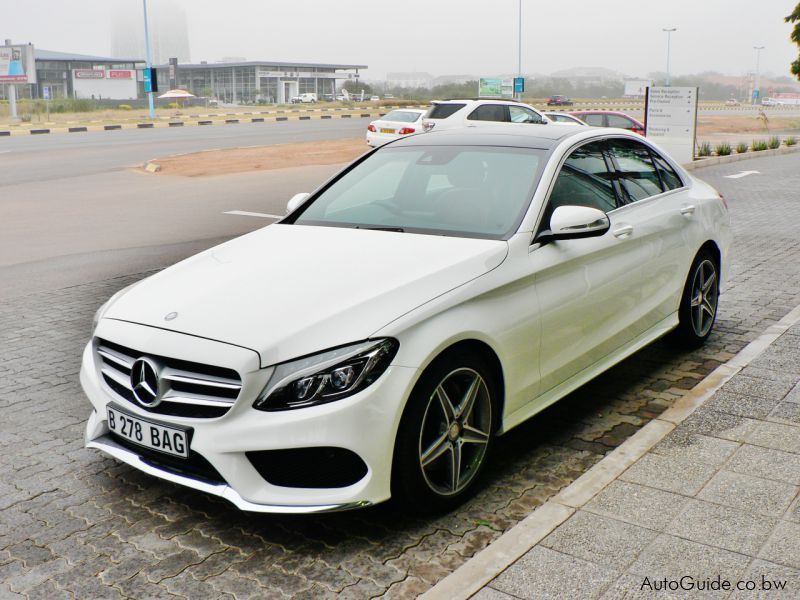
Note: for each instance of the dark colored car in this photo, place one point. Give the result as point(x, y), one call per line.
point(559, 101)
point(609, 118)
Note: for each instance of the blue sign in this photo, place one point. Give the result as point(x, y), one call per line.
point(519, 85)
point(147, 76)
point(46, 92)
point(755, 94)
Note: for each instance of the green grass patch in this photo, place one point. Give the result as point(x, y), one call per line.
point(723, 149)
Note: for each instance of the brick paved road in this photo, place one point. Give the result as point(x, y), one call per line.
point(74, 524)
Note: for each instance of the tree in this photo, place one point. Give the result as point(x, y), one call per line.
point(355, 87)
point(795, 37)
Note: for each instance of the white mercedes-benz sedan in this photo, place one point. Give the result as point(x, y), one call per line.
point(436, 293)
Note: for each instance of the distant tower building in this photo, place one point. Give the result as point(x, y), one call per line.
point(168, 30)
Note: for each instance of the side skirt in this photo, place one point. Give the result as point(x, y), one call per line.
point(554, 394)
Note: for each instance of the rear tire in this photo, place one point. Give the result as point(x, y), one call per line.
point(445, 434)
point(699, 302)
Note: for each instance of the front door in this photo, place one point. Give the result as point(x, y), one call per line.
point(588, 289)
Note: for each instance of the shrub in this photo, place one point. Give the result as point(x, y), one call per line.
point(704, 149)
point(790, 141)
point(741, 147)
point(125, 107)
point(172, 105)
point(774, 142)
point(758, 145)
point(723, 149)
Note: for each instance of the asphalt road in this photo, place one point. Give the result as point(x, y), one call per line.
point(73, 209)
point(62, 156)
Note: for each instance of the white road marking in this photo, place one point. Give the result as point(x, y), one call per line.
point(244, 213)
point(742, 174)
point(4, 151)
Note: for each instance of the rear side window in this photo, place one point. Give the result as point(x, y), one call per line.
point(621, 122)
point(442, 111)
point(635, 170)
point(489, 112)
point(594, 120)
point(669, 177)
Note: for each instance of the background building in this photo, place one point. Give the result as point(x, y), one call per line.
point(169, 34)
point(258, 81)
point(69, 75)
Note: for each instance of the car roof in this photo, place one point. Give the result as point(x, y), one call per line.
point(600, 112)
point(476, 100)
point(522, 135)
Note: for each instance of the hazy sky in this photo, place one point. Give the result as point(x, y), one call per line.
point(444, 36)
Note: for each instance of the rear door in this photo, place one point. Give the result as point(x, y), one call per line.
point(588, 289)
point(594, 120)
point(488, 114)
point(656, 205)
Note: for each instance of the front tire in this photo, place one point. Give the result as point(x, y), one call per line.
point(445, 434)
point(699, 303)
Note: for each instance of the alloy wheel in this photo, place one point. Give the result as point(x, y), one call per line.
point(455, 433)
point(704, 298)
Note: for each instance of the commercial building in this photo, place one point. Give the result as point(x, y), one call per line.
point(68, 75)
point(258, 81)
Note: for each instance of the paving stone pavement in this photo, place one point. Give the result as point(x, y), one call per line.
point(698, 509)
point(76, 524)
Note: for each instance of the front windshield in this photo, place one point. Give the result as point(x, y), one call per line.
point(471, 191)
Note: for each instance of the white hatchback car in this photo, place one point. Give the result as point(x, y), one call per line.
point(436, 293)
point(450, 114)
point(395, 124)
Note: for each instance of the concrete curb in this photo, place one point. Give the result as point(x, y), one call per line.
point(723, 160)
point(169, 124)
point(482, 568)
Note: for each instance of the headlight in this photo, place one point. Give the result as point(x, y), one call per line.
point(326, 377)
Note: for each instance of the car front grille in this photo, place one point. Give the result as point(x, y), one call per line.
point(188, 389)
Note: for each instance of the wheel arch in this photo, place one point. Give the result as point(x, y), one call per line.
point(481, 348)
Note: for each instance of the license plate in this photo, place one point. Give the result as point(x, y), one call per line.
point(156, 436)
point(383, 130)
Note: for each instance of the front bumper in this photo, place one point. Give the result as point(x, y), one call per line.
point(365, 424)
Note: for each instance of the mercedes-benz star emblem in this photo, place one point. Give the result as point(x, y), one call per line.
point(144, 383)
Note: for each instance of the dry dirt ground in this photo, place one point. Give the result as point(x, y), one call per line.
point(746, 124)
point(262, 158)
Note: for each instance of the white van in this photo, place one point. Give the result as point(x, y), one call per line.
point(307, 98)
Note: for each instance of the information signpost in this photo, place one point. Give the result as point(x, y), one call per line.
point(670, 115)
point(495, 88)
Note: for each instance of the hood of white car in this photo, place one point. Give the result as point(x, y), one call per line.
point(290, 290)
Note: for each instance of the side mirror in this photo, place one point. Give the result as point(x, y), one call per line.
point(574, 222)
point(296, 201)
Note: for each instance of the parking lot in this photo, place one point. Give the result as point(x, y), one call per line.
point(76, 524)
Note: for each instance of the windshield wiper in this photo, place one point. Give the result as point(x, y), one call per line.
point(397, 229)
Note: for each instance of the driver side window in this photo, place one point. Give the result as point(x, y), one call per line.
point(584, 180)
point(520, 114)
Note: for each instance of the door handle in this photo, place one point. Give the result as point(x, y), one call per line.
point(687, 210)
point(623, 231)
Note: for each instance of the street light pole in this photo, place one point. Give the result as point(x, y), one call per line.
point(669, 34)
point(519, 48)
point(149, 61)
point(757, 83)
